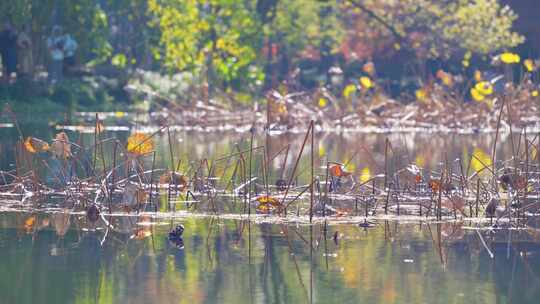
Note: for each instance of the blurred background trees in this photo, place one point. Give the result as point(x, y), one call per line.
point(257, 44)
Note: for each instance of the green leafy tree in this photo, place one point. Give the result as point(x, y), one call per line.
point(213, 37)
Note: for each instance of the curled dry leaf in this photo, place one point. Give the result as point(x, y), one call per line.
point(61, 147)
point(139, 144)
point(338, 171)
point(133, 195)
point(174, 178)
point(141, 233)
point(35, 145)
point(453, 202)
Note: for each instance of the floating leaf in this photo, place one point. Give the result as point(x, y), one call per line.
point(61, 147)
point(267, 203)
point(139, 144)
point(34, 145)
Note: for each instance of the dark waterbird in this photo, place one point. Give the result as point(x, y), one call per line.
point(92, 213)
point(175, 236)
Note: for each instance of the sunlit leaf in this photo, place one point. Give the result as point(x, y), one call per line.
point(366, 82)
point(139, 144)
point(34, 145)
point(480, 160)
point(365, 175)
point(476, 95)
point(484, 87)
point(529, 65)
point(369, 68)
point(509, 58)
point(338, 171)
point(29, 223)
point(141, 233)
point(268, 203)
point(349, 90)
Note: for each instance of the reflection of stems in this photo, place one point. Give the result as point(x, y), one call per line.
point(485, 245)
point(291, 253)
point(495, 143)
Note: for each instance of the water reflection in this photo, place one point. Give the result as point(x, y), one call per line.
point(228, 261)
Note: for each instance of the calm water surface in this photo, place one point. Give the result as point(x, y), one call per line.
point(60, 258)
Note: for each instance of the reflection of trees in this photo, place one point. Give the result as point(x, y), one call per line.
point(217, 265)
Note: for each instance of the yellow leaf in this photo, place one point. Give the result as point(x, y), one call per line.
point(34, 145)
point(534, 93)
point(366, 82)
point(365, 175)
point(266, 203)
point(478, 76)
point(140, 144)
point(480, 160)
point(322, 102)
point(421, 94)
point(529, 65)
point(420, 161)
point(322, 151)
point(510, 58)
point(446, 78)
point(485, 88)
point(349, 90)
point(476, 95)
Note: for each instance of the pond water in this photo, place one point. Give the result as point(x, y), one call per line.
point(60, 259)
point(54, 256)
